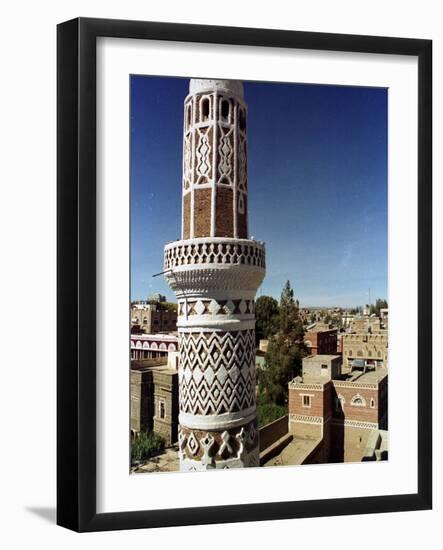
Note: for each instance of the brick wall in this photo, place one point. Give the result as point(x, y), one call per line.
point(224, 217)
point(363, 413)
point(317, 400)
point(187, 216)
point(202, 212)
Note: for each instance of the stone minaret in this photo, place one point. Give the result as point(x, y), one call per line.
point(215, 271)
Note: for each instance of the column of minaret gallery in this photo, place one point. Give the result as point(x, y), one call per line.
point(215, 271)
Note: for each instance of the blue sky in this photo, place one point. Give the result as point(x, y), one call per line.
point(317, 160)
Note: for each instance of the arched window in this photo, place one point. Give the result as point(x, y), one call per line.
point(224, 109)
point(359, 353)
point(241, 205)
point(372, 403)
point(188, 115)
point(204, 105)
point(358, 401)
point(350, 352)
point(369, 353)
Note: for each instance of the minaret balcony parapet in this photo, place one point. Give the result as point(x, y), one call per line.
point(214, 251)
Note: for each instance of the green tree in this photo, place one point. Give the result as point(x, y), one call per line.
point(379, 304)
point(283, 362)
point(290, 323)
point(266, 317)
point(146, 445)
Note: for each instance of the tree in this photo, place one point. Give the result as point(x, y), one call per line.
point(291, 325)
point(283, 362)
point(266, 317)
point(379, 304)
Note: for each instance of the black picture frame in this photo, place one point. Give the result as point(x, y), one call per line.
point(76, 265)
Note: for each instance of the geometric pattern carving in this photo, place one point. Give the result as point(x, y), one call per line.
point(226, 155)
point(217, 372)
point(242, 167)
point(203, 158)
point(216, 307)
point(208, 446)
point(200, 251)
point(305, 419)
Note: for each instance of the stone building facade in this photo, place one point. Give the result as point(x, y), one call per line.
point(154, 399)
point(152, 346)
point(365, 349)
point(151, 318)
point(215, 271)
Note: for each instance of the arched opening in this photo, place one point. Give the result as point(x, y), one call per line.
point(204, 106)
point(225, 108)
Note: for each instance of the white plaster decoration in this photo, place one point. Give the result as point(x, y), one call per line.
point(215, 280)
point(214, 250)
point(305, 419)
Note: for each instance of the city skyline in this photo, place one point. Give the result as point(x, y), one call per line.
point(317, 186)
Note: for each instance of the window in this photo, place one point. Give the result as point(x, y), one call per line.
point(162, 409)
point(324, 370)
point(372, 403)
point(358, 401)
point(350, 352)
point(306, 401)
point(241, 205)
point(205, 108)
point(225, 109)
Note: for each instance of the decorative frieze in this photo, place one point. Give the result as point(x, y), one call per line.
point(214, 251)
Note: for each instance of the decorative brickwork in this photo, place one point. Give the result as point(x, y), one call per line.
point(202, 210)
point(215, 158)
point(215, 272)
point(186, 216)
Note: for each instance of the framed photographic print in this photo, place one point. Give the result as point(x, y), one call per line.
point(244, 274)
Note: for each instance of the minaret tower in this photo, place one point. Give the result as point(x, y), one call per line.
point(215, 271)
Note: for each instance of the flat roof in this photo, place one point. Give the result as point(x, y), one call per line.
point(324, 357)
point(319, 329)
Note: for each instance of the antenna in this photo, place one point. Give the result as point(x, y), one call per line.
point(162, 272)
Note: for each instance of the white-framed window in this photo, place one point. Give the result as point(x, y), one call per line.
point(372, 403)
point(306, 401)
point(358, 401)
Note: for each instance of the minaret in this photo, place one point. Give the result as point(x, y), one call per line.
point(215, 271)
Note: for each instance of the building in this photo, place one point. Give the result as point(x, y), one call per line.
point(365, 349)
point(215, 271)
point(368, 323)
point(154, 399)
point(153, 346)
point(321, 366)
point(347, 319)
point(321, 339)
point(345, 413)
point(152, 318)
